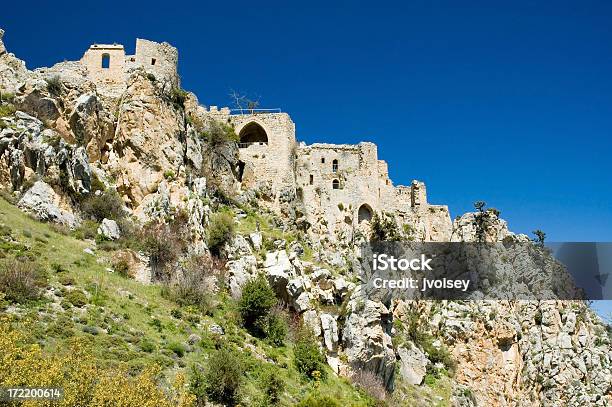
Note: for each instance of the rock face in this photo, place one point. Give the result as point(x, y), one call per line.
point(44, 204)
point(366, 338)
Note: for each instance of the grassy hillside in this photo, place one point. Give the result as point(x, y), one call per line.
point(123, 328)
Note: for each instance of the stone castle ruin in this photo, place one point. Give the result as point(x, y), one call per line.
point(108, 66)
point(337, 188)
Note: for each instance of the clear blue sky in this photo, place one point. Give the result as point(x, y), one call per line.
point(508, 103)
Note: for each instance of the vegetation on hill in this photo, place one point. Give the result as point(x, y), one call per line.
point(109, 340)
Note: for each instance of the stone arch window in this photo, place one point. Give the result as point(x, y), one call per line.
point(252, 133)
point(105, 61)
point(153, 61)
point(364, 213)
point(311, 179)
point(336, 184)
point(335, 166)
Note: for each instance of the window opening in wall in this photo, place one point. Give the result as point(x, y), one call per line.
point(335, 166)
point(322, 160)
point(336, 184)
point(153, 61)
point(311, 179)
point(105, 61)
point(364, 213)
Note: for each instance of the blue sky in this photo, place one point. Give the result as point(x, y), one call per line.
point(510, 103)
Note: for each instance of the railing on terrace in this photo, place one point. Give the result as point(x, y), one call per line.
point(246, 145)
point(254, 111)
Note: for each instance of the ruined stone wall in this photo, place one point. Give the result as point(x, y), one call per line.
point(112, 78)
point(355, 171)
point(265, 164)
point(160, 59)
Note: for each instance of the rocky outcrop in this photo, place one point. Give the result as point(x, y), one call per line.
point(366, 338)
point(13, 71)
point(44, 204)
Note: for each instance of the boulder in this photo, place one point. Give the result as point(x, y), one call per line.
point(109, 229)
point(330, 331)
point(303, 302)
point(256, 240)
point(216, 329)
point(311, 319)
point(43, 203)
point(193, 339)
point(278, 270)
point(365, 338)
point(239, 272)
point(238, 247)
point(413, 364)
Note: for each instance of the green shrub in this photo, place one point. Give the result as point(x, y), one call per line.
point(88, 229)
point(122, 267)
point(7, 110)
point(220, 231)
point(6, 97)
point(163, 244)
point(316, 399)
point(178, 97)
point(221, 380)
point(275, 329)
point(21, 280)
point(255, 303)
point(54, 85)
point(169, 175)
point(58, 268)
point(147, 345)
point(66, 280)
point(178, 348)
point(308, 358)
point(108, 205)
point(77, 298)
point(272, 385)
point(384, 228)
point(219, 133)
point(193, 287)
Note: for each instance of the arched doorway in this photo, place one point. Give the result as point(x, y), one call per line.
point(252, 133)
point(364, 213)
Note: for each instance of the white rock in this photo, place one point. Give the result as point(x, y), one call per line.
point(256, 240)
point(43, 203)
point(311, 319)
point(109, 229)
point(302, 303)
point(330, 331)
point(239, 272)
point(413, 365)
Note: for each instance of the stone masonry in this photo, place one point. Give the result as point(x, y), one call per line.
point(339, 186)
